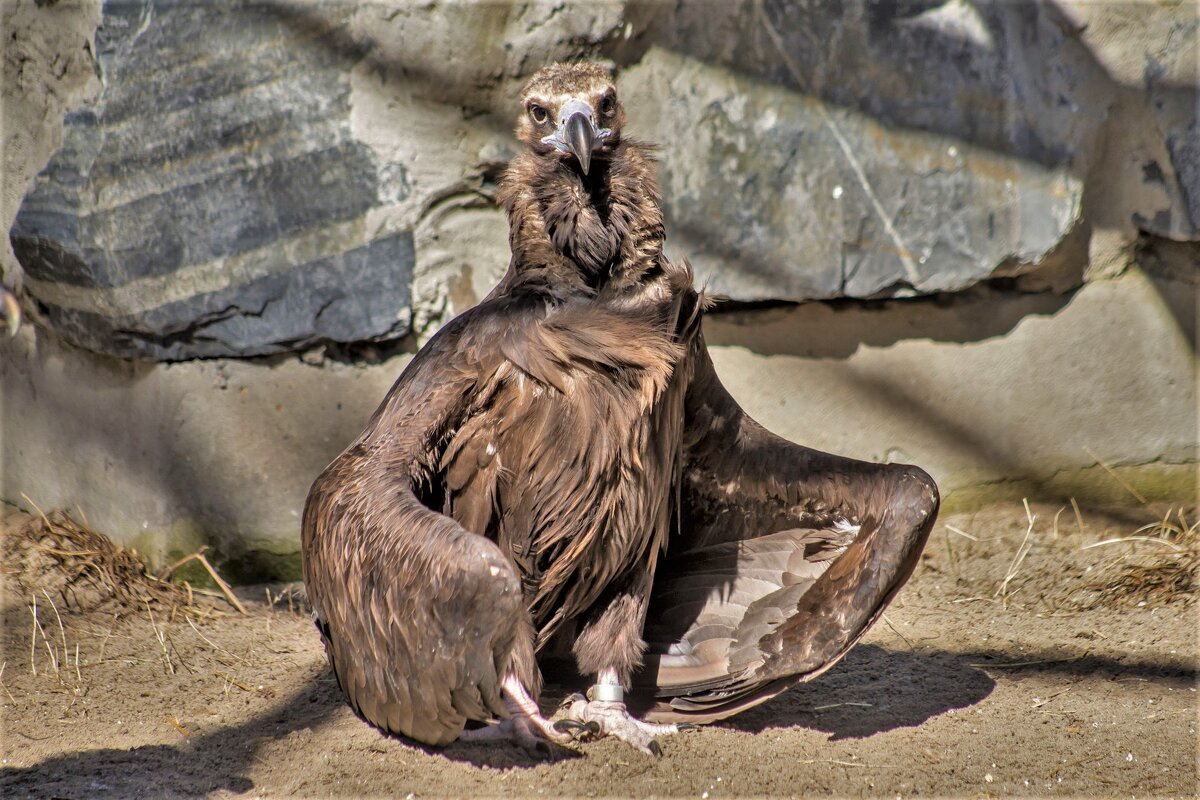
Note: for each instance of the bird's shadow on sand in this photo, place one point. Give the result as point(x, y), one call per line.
point(871, 691)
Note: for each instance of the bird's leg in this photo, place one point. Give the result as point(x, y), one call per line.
point(525, 726)
point(603, 712)
point(610, 646)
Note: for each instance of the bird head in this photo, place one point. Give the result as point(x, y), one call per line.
point(571, 110)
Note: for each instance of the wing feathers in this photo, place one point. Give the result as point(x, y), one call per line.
point(419, 615)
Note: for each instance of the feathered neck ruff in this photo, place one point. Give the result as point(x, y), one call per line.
point(597, 235)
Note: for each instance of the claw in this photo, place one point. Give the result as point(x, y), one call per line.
point(606, 718)
point(526, 728)
point(574, 726)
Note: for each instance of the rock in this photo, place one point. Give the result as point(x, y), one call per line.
point(255, 179)
point(773, 195)
point(857, 150)
point(212, 199)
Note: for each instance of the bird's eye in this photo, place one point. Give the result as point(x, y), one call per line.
point(608, 104)
point(538, 114)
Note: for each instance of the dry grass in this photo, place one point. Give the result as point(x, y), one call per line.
point(1002, 591)
point(54, 554)
point(1155, 565)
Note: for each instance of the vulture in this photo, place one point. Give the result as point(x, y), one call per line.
point(559, 475)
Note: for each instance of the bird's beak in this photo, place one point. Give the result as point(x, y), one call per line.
point(579, 137)
point(577, 133)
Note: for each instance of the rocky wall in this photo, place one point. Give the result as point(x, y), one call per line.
point(232, 223)
point(253, 178)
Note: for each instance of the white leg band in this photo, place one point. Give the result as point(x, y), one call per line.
point(607, 693)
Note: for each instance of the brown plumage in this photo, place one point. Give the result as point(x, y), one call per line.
point(562, 458)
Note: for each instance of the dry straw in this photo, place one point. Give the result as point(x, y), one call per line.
point(1156, 565)
point(89, 571)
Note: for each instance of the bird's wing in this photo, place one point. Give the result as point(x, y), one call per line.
point(419, 616)
point(784, 557)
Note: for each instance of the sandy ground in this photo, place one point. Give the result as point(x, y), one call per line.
point(959, 693)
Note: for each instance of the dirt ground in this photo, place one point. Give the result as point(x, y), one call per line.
point(971, 687)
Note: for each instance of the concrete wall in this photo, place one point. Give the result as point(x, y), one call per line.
point(1000, 370)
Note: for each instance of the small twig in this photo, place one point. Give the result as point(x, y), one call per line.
point(1138, 495)
point(1153, 539)
point(898, 633)
point(45, 639)
point(5, 688)
point(66, 553)
point(199, 556)
point(1078, 514)
point(1015, 664)
point(175, 723)
point(61, 630)
point(261, 691)
point(838, 705)
point(211, 643)
point(1022, 551)
point(1056, 516)
point(33, 638)
point(162, 641)
point(963, 533)
point(37, 508)
point(104, 643)
point(235, 682)
point(1041, 703)
point(166, 572)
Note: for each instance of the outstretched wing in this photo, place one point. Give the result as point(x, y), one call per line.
point(784, 558)
point(419, 616)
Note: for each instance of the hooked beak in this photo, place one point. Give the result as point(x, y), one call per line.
point(579, 137)
point(578, 133)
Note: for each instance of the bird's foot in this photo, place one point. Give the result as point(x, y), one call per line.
point(526, 728)
point(534, 734)
point(585, 718)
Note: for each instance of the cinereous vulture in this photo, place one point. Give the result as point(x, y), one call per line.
point(559, 472)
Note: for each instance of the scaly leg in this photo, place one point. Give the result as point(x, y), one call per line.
point(526, 727)
point(603, 713)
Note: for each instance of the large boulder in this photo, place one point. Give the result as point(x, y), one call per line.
point(211, 200)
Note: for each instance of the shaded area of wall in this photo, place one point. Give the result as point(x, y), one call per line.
point(224, 450)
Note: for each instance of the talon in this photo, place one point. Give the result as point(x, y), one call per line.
point(686, 726)
point(605, 718)
point(569, 726)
